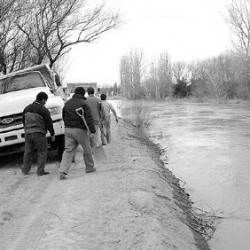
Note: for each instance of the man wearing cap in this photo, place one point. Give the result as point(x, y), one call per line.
point(76, 132)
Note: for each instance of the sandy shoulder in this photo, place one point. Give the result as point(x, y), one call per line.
point(128, 203)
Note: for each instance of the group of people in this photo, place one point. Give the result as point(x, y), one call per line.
point(87, 123)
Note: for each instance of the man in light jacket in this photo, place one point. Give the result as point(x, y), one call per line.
point(107, 106)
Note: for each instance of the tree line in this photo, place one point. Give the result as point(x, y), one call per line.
point(223, 77)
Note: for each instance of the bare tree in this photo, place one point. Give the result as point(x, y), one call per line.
point(158, 84)
point(6, 7)
point(9, 45)
point(179, 71)
point(52, 27)
point(150, 84)
point(164, 75)
point(125, 76)
point(131, 73)
point(239, 20)
point(136, 58)
point(199, 82)
point(224, 77)
point(15, 50)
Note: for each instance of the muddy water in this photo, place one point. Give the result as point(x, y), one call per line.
point(208, 147)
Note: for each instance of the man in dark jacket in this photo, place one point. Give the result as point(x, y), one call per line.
point(37, 120)
point(77, 133)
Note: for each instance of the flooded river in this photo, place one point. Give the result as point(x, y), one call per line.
point(207, 146)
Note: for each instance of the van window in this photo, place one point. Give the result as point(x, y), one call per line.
point(20, 82)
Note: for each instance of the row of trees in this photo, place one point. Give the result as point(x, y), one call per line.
point(43, 31)
point(222, 77)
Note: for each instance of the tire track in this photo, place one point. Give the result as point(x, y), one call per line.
point(55, 224)
point(19, 203)
point(47, 210)
point(21, 200)
point(64, 233)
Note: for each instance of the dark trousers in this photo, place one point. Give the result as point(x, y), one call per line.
point(34, 141)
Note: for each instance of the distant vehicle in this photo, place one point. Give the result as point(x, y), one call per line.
point(72, 86)
point(17, 90)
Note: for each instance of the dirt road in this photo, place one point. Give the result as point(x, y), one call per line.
point(126, 204)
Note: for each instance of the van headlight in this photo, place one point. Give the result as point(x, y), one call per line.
point(55, 111)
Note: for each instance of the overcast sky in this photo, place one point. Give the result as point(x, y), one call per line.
point(187, 29)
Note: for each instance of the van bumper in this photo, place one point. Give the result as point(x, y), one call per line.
point(13, 141)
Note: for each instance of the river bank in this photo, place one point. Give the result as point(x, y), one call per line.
point(131, 202)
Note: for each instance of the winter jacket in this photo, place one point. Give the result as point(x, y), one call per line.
point(72, 119)
point(36, 119)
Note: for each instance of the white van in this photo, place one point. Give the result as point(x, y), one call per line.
point(19, 89)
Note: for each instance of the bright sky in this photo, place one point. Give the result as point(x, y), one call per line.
point(186, 29)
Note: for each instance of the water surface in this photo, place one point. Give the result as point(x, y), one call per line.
point(207, 146)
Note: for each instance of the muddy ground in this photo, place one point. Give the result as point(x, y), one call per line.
point(131, 202)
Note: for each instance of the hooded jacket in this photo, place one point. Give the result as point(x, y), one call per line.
point(72, 119)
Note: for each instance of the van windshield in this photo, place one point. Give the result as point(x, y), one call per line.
point(20, 82)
